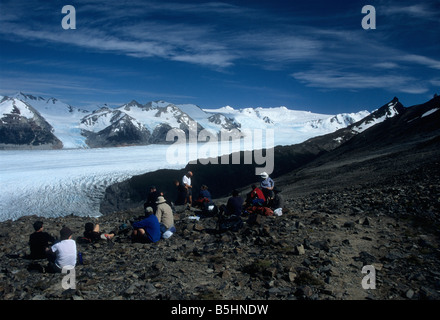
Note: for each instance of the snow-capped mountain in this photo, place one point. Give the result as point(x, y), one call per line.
point(22, 125)
point(345, 133)
point(108, 128)
point(290, 126)
point(389, 110)
point(63, 118)
point(141, 124)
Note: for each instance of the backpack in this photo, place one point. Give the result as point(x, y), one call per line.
point(265, 211)
point(232, 223)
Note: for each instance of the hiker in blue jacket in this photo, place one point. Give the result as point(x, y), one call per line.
point(146, 230)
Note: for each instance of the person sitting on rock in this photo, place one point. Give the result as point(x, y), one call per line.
point(152, 198)
point(267, 186)
point(146, 230)
point(255, 197)
point(278, 199)
point(92, 233)
point(204, 200)
point(63, 253)
point(39, 241)
point(165, 216)
point(234, 206)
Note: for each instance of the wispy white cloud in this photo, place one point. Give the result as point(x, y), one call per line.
point(331, 79)
point(420, 60)
point(132, 30)
point(386, 65)
point(46, 83)
point(435, 82)
point(419, 10)
point(275, 49)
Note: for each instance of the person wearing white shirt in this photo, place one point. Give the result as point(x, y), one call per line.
point(64, 251)
point(186, 181)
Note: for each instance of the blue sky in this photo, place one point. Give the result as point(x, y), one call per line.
point(305, 55)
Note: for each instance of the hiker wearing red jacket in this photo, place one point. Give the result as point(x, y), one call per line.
point(255, 197)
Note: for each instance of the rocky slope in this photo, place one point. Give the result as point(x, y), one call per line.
point(315, 250)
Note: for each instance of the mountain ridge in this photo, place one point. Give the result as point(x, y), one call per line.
point(148, 123)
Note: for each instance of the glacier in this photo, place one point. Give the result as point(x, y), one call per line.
point(53, 183)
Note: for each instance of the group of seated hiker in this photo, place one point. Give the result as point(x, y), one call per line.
point(185, 194)
point(156, 224)
point(264, 199)
point(263, 194)
point(60, 253)
point(158, 221)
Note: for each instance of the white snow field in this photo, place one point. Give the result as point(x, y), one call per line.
point(63, 182)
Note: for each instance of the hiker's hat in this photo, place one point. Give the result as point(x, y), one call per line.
point(149, 209)
point(264, 175)
point(160, 200)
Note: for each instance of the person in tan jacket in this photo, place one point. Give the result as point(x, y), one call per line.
point(164, 214)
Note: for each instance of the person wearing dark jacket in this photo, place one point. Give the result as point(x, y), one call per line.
point(93, 234)
point(204, 200)
point(40, 241)
point(234, 205)
point(152, 198)
point(181, 193)
point(278, 199)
